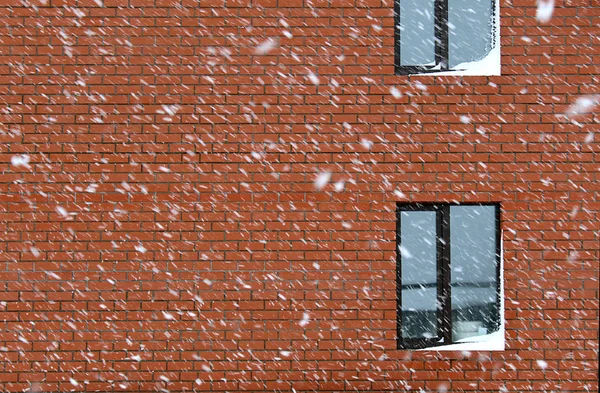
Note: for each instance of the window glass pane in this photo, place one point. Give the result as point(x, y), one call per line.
point(473, 266)
point(417, 32)
point(419, 273)
point(469, 30)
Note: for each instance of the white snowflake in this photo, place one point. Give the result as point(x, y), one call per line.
point(20, 160)
point(266, 46)
point(322, 180)
point(545, 9)
point(395, 92)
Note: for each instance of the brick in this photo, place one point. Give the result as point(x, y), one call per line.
point(194, 236)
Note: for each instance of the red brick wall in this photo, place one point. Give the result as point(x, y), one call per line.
point(143, 250)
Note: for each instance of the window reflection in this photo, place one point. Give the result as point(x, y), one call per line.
point(473, 266)
point(469, 25)
point(419, 272)
point(417, 32)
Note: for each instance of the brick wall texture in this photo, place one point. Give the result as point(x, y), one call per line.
point(160, 226)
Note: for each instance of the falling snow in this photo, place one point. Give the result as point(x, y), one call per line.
point(266, 46)
point(322, 180)
point(313, 78)
point(545, 9)
point(20, 160)
point(204, 196)
point(583, 105)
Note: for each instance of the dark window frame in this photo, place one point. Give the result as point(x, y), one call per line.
point(441, 37)
point(444, 314)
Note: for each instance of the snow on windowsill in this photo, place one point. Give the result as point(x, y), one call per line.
point(488, 342)
point(488, 66)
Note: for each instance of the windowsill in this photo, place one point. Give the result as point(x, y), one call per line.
point(488, 66)
point(489, 342)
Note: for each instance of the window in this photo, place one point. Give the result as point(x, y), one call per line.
point(450, 36)
point(448, 274)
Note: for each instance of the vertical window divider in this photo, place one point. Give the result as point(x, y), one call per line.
point(446, 300)
point(440, 269)
point(441, 34)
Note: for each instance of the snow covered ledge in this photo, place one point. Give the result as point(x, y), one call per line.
point(489, 342)
point(494, 341)
point(488, 66)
